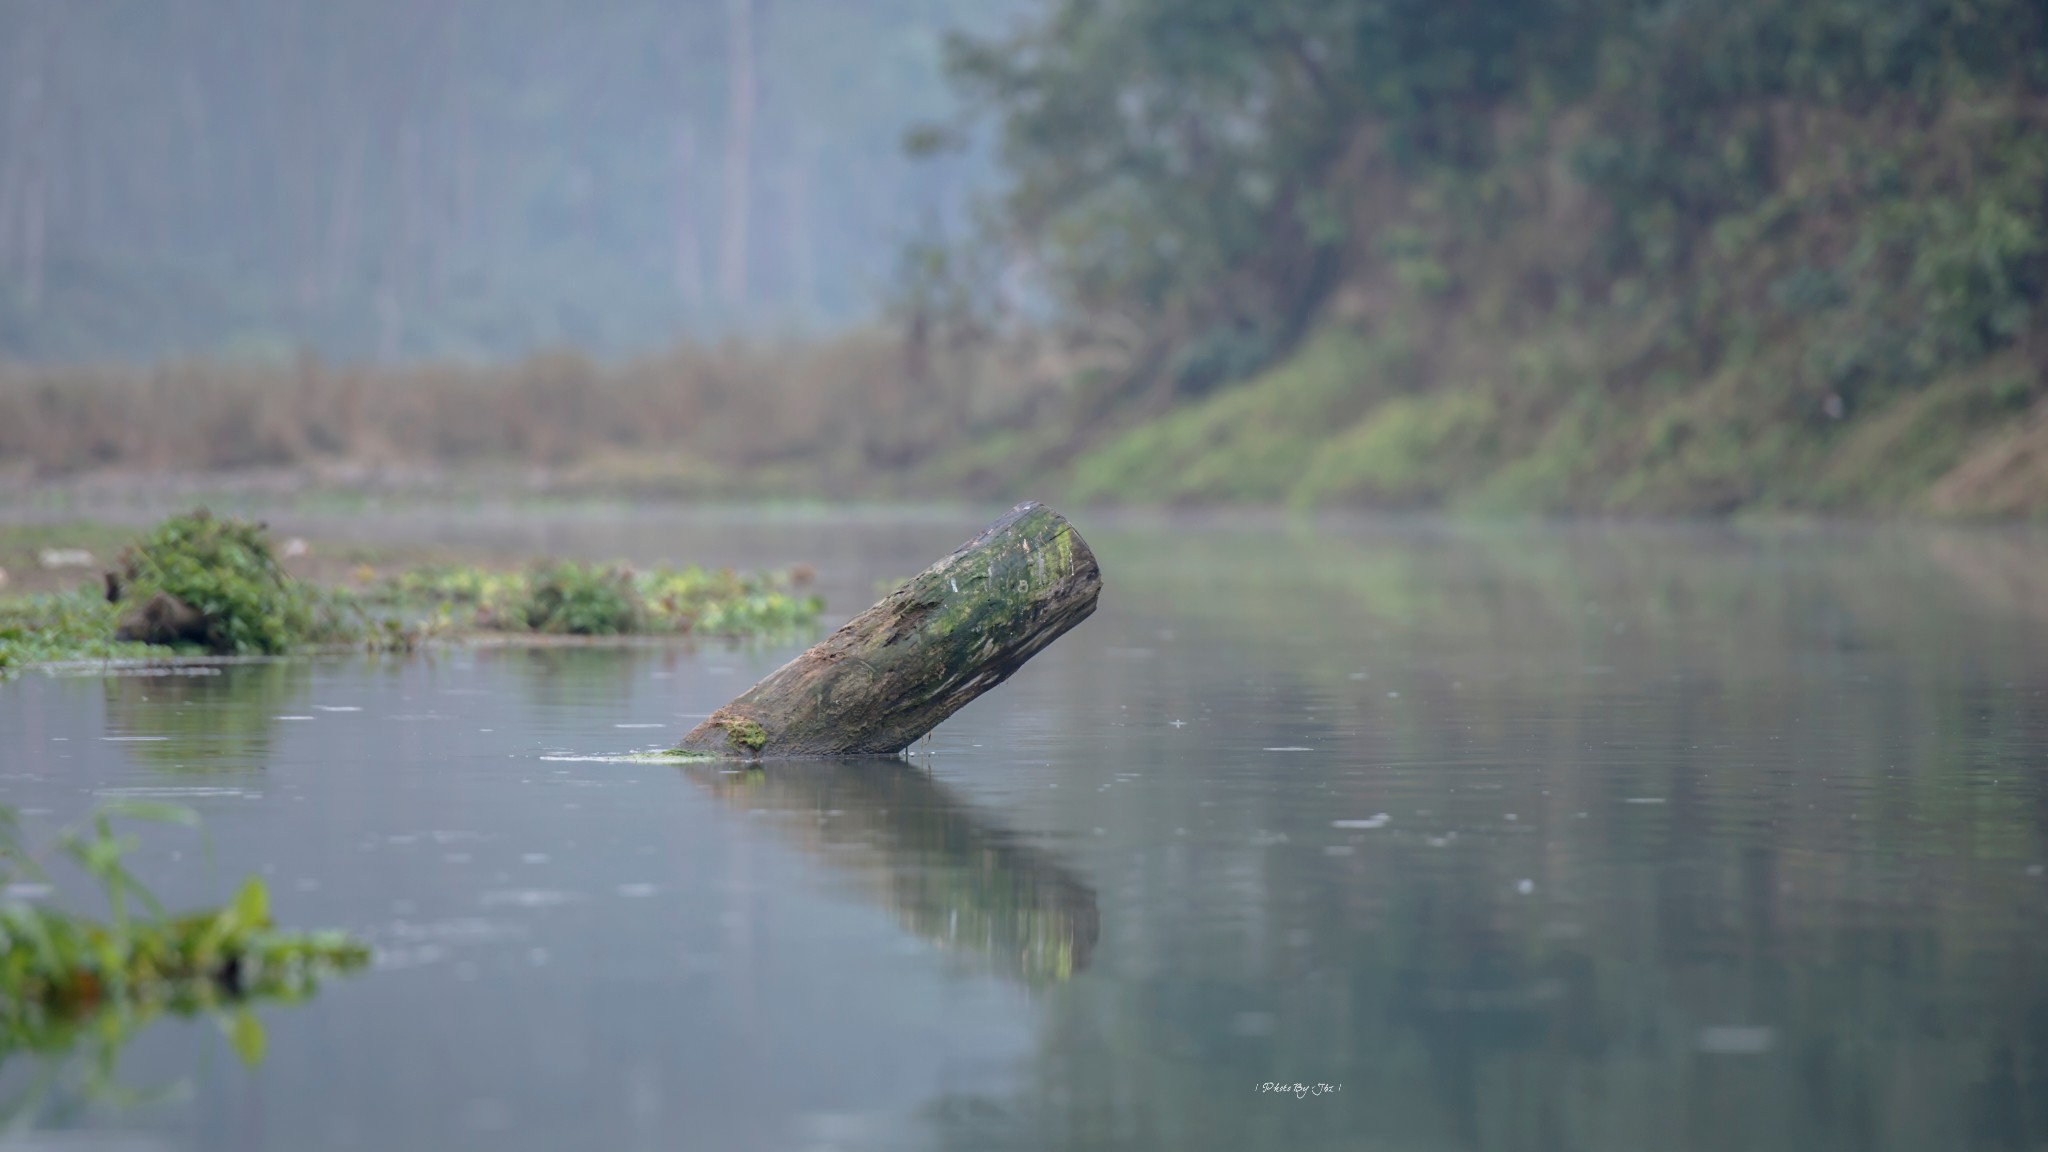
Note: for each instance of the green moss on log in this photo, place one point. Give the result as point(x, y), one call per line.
point(946, 636)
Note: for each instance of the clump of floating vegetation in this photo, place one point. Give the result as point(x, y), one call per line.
point(604, 600)
point(64, 974)
point(214, 583)
point(63, 626)
point(198, 584)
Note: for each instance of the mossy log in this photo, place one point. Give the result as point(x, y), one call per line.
point(894, 672)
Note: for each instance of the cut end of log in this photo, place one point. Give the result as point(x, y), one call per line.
point(949, 634)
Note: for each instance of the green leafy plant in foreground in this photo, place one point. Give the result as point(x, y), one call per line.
point(64, 975)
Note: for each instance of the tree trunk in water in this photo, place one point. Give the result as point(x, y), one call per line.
point(894, 672)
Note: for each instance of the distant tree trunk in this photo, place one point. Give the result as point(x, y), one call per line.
point(742, 91)
point(13, 167)
point(341, 219)
point(36, 177)
point(803, 257)
point(689, 249)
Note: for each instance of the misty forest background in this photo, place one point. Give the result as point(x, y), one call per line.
point(1494, 256)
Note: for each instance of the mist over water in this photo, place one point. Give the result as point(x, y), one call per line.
point(1585, 837)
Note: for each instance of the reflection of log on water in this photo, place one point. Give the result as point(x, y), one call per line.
point(950, 876)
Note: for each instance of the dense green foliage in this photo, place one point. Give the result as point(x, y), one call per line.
point(1568, 254)
point(224, 568)
point(582, 600)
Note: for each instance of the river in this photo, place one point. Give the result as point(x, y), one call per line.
point(1504, 837)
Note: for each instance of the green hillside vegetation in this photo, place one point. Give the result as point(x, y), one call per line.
point(1541, 256)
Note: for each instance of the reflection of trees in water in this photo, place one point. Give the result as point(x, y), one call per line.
point(1777, 796)
point(222, 722)
point(949, 875)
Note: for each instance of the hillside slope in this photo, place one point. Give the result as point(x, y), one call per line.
point(1613, 255)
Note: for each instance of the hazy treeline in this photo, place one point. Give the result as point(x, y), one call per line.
point(409, 177)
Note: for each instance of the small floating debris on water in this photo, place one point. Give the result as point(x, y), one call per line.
point(134, 739)
point(1378, 820)
point(639, 725)
point(1644, 800)
point(1525, 886)
point(663, 756)
point(1291, 748)
point(296, 547)
point(24, 891)
point(1174, 723)
point(293, 717)
point(1737, 1040)
point(529, 898)
point(65, 558)
point(336, 708)
point(1360, 676)
point(1393, 695)
point(2034, 869)
point(1253, 1024)
point(169, 792)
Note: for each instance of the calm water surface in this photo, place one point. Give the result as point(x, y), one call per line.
point(1516, 838)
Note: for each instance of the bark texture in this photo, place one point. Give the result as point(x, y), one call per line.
point(894, 672)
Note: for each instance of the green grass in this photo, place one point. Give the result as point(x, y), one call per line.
point(1246, 443)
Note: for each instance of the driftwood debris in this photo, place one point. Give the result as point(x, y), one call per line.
point(892, 673)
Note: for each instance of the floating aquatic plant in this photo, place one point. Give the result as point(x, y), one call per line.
point(201, 583)
point(64, 974)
